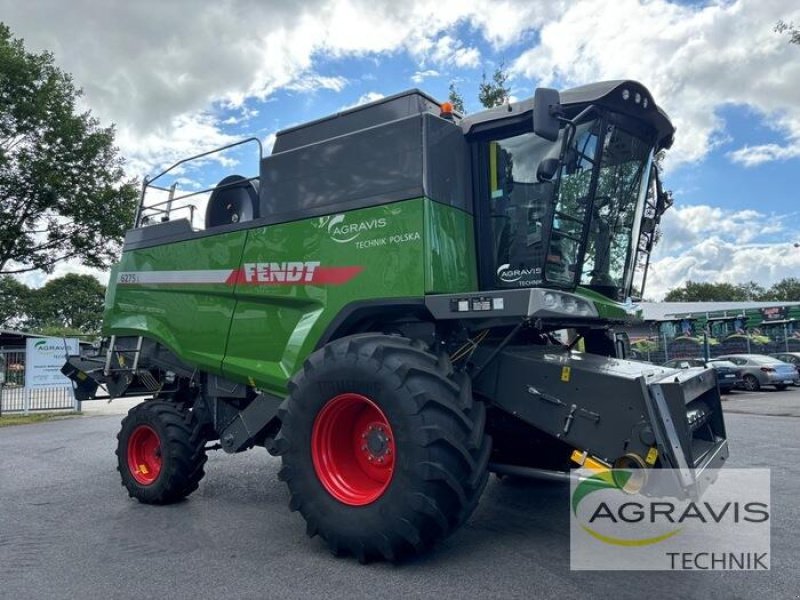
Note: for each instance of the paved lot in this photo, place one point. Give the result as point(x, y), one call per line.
point(68, 530)
point(765, 402)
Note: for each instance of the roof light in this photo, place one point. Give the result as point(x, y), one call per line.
point(637, 98)
point(446, 110)
point(645, 102)
point(626, 94)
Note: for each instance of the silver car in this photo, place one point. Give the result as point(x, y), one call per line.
point(793, 358)
point(758, 370)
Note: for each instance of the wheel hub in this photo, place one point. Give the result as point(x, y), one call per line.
point(144, 455)
point(377, 446)
point(352, 448)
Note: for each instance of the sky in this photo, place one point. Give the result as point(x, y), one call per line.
point(181, 77)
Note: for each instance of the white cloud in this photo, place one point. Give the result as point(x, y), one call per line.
point(364, 99)
point(705, 243)
point(448, 51)
point(183, 136)
point(313, 82)
point(751, 156)
point(421, 76)
point(694, 60)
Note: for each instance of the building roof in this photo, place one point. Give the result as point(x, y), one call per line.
point(661, 311)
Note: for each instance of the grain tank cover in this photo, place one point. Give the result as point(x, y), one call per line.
point(395, 149)
point(391, 108)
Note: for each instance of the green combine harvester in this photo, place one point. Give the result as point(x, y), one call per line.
point(395, 306)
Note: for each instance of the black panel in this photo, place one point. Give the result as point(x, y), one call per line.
point(398, 106)
point(448, 175)
point(410, 157)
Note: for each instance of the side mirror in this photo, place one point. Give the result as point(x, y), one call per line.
point(547, 169)
point(664, 199)
point(546, 110)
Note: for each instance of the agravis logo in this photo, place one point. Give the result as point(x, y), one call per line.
point(342, 232)
point(624, 519)
point(607, 480)
point(509, 275)
point(44, 346)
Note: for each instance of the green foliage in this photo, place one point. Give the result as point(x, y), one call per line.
point(67, 305)
point(455, 98)
point(494, 92)
point(71, 306)
point(790, 29)
point(62, 193)
point(14, 297)
point(786, 290)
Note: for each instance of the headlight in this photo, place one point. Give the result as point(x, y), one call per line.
point(560, 302)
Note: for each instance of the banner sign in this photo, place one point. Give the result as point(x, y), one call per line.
point(44, 359)
point(774, 313)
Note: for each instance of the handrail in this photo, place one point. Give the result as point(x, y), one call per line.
point(148, 182)
point(202, 154)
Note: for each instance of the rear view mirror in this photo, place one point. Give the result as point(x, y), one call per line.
point(547, 169)
point(546, 110)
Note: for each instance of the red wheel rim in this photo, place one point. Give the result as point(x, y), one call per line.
point(144, 455)
point(352, 446)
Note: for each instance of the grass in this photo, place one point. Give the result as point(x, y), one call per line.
point(9, 420)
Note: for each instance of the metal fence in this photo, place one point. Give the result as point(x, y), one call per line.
point(16, 398)
point(659, 348)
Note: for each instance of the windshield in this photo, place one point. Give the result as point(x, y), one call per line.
point(616, 212)
point(541, 216)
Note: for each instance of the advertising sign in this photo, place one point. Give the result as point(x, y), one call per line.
point(639, 520)
point(45, 357)
point(774, 313)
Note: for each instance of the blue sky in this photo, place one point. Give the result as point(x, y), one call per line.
point(205, 75)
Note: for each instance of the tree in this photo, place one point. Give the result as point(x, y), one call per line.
point(14, 298)
point(750, 291)
point(786, 290)
point(70, 303)
point(495, 92)
point(705, 292)
point(456, 99)
point(62, 193)
point(792, 30)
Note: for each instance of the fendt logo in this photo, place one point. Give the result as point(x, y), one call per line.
point(261, 273)
point(342, 232)
point(509, 275)
point(292, 273)
point(285, 272)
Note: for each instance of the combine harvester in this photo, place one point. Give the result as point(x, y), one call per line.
point(384, 308)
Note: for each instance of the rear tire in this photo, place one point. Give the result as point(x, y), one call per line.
point(160, 452)
point(383, 447)
point(751, 383)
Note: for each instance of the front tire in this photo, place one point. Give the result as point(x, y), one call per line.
point(383, 447)
point(160, 452)
point(751, 383)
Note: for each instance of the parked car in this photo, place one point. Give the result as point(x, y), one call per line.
point(759, 369)
point(793, 358)
point(728, 374)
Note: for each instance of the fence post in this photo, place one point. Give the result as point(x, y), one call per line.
point(26, 401)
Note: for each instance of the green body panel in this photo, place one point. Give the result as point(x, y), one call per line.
point(250, 319)
point(192, 320)
point(451, 258)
